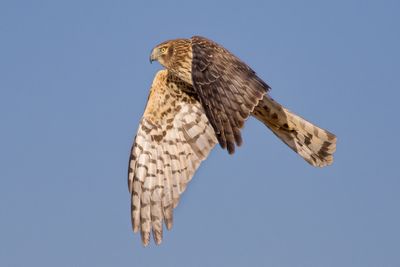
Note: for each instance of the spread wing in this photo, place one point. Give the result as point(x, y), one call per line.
point(174, 136)
point(227, 88)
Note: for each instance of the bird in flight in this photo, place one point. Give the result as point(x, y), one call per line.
point(202, 97)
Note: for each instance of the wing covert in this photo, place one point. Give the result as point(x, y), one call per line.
point(227, 88)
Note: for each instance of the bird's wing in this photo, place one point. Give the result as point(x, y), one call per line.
point(174, 136)
point(227, 88)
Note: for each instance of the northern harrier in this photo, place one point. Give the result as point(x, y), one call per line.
point(203, 97)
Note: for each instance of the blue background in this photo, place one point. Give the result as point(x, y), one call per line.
point(74, 79)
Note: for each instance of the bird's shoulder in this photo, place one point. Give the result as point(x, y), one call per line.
point(167, 95)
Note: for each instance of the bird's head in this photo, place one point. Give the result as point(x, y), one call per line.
point(163, 53)
point(175, 56)
point(169, 52)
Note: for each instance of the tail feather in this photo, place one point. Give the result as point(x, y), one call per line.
point(314, 144)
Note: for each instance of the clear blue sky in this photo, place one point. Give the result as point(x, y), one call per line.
point(74, 79)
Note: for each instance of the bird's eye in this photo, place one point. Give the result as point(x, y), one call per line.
point(163, 49)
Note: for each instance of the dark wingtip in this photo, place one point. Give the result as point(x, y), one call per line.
point(231, 148)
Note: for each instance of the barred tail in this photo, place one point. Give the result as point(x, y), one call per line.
point(312, 143)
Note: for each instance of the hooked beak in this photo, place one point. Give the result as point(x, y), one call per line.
point(153, 55)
